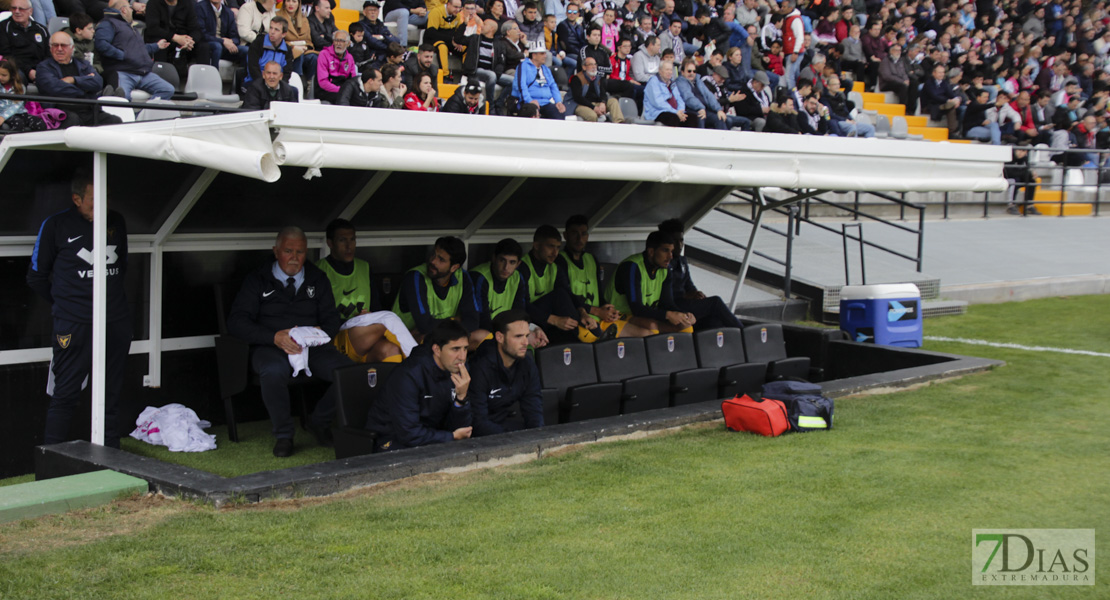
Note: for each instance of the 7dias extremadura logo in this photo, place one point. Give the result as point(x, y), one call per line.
point(1033, 557)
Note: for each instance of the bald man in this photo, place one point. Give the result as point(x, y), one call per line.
point(285, 293)
point(124, 55)
point(64, 76)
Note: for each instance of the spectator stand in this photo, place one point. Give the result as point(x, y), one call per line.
point(193, 188)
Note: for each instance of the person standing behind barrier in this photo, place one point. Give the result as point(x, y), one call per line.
point(641, 290)
point(61, 272)
point(427, 399)
point(793, 43)
point(286, 293)
point(504, 379)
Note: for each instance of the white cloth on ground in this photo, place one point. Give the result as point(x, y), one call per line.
point(391, 321)
point(305, 338)
point(175, 426)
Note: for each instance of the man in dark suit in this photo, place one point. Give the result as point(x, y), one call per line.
point(287, 293)
point(941, 101)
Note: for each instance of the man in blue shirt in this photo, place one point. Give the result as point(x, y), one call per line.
point(534, 83)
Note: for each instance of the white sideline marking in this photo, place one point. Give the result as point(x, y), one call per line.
point(936, 338)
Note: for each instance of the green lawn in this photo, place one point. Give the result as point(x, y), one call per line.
point(880, 507)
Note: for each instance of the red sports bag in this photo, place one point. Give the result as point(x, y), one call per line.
point(765, 417)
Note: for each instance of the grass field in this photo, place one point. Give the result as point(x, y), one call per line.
point(880, 507)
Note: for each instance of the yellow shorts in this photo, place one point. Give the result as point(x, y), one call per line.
point(590, 337)
point(343, 344)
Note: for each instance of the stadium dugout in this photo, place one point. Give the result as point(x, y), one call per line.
point(204, 196)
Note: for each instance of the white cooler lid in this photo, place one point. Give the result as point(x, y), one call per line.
point(879, 291)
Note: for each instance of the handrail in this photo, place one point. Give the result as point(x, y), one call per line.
point(787, 264)
point(58, 101)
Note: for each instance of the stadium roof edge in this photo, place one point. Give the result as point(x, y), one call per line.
point(354, 138)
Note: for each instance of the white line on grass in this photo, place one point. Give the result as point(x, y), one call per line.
point(937, 338)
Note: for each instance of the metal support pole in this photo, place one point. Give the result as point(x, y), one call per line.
point(791, 219)
point(758, 207)
point(920, 237)
point(945, 206)
point(1098, 182)
point(100, 293)
point(986, 203)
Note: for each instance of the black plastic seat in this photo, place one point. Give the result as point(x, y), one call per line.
point(569, 370)
point(724, 349)
point(763, 342)
point(358, 387)
point(625, 360)
point(673, 354)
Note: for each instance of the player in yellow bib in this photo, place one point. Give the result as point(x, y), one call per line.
point(382, 337)
point(440, 289)
point(641, 288)
point(710, 312)
point(500, 288)
point(549, 301)
point(595, 316)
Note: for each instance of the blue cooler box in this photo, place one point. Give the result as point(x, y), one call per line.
point(886, 314)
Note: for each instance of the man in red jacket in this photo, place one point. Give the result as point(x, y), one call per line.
point(793, 42)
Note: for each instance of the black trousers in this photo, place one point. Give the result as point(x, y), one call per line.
point(72, 363)
point(710, 312)
point(670, 119)
point(274, 374)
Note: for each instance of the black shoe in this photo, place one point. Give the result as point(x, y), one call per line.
point(609, 333)
point(283, 448)
point(1012, 210)
point(322, 435)
point(1031, 210)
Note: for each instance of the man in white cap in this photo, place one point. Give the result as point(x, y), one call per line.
point(534, 83)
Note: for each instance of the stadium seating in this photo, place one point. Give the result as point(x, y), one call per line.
point(763, 342)
point(673, 354)
point(569, 369)
point(724, 349)
point(358, 386)
point(625, 360)
point(205, 82)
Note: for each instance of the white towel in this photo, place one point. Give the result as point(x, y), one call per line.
point(174, 426)
point(305, 337)
point(391, 321)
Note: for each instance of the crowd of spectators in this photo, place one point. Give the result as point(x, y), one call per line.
point(996, 71)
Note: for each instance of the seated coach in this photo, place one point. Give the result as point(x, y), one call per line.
point(281, 295)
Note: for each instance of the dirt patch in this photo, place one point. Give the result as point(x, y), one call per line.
point(126, 516)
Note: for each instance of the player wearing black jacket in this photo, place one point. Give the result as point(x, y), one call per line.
point(61, 272)
point(504, 379)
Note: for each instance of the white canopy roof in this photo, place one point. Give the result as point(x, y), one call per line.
point(357, 138)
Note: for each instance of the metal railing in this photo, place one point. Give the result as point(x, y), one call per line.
point(201, 106)
point(791, 214)
point(857, 213)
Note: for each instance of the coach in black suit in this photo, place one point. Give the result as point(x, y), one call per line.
point(284, 294)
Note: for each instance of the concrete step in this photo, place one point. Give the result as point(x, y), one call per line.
point(890, 110)
point(935, 134)
point(1070, 209)
point(62, 494)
